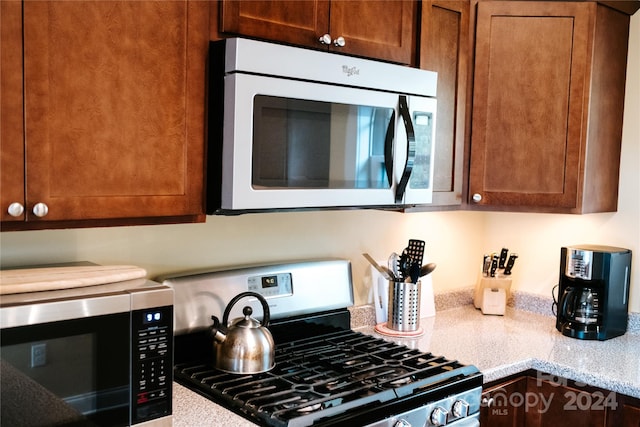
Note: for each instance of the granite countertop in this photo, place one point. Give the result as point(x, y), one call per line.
point(497, 345)
point(504, 345)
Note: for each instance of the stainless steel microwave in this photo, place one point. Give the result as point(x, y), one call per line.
point(293, 128)
point(93, 356)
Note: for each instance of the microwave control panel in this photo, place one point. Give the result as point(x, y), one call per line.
point(152, 335)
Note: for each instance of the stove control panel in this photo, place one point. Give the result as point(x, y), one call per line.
point(459, 410)
point(271, 285)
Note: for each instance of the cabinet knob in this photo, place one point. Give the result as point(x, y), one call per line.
point(325, 39)
point(339, 42)
point(40, 210)
point(477, 197)
point(15, 209)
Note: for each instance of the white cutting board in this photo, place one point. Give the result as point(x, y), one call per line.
point(53, 278)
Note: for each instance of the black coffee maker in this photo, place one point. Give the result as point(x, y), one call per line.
point(593, 292)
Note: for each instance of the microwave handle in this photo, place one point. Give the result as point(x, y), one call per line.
point(388, 148)
point(411, 148)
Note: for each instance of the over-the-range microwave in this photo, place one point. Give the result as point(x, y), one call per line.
point(294, 128)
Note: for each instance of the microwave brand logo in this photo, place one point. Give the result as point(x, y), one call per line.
point(350, 71)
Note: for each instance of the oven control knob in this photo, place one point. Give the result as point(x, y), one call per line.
point(402, 423)
point(439, 416)
point(460, 409)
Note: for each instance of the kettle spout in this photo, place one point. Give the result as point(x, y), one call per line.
point(218, 331)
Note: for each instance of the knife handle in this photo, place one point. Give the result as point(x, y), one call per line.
point(503, 257)
point(509, 267)
point(486, 264)
point(494, 266)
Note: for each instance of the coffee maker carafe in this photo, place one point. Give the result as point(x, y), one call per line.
point(593, 291)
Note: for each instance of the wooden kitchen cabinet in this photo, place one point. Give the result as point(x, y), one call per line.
point(11, 122)
point(535, 399)
point(113, 112)
point(565, 403)
point(381, 29)
point(549, 81)
point(627, 413)
point(444, 48)
point(497, 409)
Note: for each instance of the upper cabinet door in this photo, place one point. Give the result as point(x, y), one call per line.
point(114, 108)
point(547, 106)
point(529, 81)
point(11, 118)
point(300, 22)
point(444, 48)
point(380, 29)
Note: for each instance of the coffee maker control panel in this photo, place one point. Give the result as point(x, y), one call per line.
point(579, 263)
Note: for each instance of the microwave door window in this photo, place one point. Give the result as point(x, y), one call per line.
point(66, 373)
point(316, 144)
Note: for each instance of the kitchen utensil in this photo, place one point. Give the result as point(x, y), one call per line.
point(494, 266)
point(245, 346)
point(412, 255)
point(510, 262)
point(486, 264)
point(403, 266)
point(404, 306)
point(427, 269)
point(414, 272)
point(394, 265)
point(388, 274)
point(503, 257)
point(415, 250)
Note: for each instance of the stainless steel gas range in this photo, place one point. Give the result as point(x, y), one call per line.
point(325, 374)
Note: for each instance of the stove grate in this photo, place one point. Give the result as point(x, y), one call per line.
point(323, 376)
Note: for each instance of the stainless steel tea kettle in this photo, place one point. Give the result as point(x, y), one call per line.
point(245, 346)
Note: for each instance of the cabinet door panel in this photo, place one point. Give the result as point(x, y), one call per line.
point(530, 73)
point(444, 48)
point(114, 107)
point(296, 22)
point(380, 29)
point(11, 117)
point(564, 405)
point(500, 405)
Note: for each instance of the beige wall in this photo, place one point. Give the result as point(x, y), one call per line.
point(456, 241)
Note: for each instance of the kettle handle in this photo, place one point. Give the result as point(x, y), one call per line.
point(265, 307)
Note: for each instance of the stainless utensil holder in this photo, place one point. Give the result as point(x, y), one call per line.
point(404, 306)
